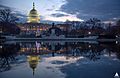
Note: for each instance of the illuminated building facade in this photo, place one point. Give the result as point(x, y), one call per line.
point(34, 27)
point(33, 16)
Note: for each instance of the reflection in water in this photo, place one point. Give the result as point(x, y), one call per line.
point(7, 55)
point(56, 54)
point(33, 61)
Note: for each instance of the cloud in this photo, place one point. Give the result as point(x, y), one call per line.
point(50, 9)
point(58, 15)
point(84, 9)
point(20, 14)
point(22, 17)
point(62, 18)
point(13, 10)
point(4, 7)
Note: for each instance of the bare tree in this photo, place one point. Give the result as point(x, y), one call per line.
point(94, 22)
point(6, 16)
point(118, 22)
point(8, 22)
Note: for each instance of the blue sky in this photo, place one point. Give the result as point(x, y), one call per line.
point(61, 10)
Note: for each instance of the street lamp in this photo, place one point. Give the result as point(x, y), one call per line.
point(116, 42)
point(1, 46)
point(116, 36)
point(89, 32)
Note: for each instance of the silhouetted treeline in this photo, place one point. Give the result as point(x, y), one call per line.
point(8, 22)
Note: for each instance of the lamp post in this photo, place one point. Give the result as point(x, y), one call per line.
point(89, 33)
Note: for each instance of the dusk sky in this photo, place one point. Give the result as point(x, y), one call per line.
point(61, 10)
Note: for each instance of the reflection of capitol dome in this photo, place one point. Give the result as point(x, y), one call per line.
point(33, 16)
point(33, 62)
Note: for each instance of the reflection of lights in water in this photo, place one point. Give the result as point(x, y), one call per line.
point(61, 59)
point(116, 42)
point(41, 29)
point(20, 44)
point(45, 48)
point(0, 46)
point(89, 32)
point(111, 55)
point(40, 48)
point(37, 44)
point(116, 36)
point(0, 31)
point(37, 49)
point(33, 61)
point(27, 29)
point(42, 43)
point(80, 47)
point(27, 48)
point(89, 46)
point(22, 49)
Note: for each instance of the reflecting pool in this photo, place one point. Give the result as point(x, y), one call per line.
point(59, 59)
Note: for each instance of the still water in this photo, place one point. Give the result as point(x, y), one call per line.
point(59, 60)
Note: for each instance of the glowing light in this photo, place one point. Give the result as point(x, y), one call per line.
point(1, 31)
point(116, 36)
point(89, 46)
point(63, 19)
point(89, 32)
point(37, 45)
point(0, 46)
point(116, 42)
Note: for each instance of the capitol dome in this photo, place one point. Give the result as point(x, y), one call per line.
point(33, 16)
point(33, 11)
